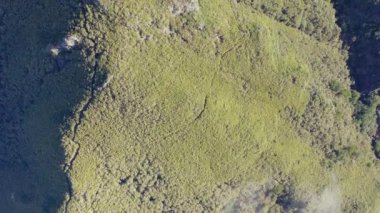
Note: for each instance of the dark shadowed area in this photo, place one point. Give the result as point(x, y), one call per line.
point(360, 23)
point(38, 90)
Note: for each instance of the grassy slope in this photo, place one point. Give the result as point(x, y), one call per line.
point(193, 115)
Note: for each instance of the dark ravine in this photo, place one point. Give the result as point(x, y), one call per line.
point(360, 24)
point(31, 87)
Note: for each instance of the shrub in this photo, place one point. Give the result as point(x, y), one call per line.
point(335, 86)
point(355, 96)
point(351, 151)
point(347, 152)
point(279, 189)
point(365, 115)
point(376, 146)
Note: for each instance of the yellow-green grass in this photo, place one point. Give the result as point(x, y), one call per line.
point(205, 105)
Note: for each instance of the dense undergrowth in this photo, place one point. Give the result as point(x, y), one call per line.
point(315, 18)
point(185, 105)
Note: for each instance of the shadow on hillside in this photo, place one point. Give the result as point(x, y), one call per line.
point(37, 94)
point(360, 23)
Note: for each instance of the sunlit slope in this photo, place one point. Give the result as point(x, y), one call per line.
point(199, 106)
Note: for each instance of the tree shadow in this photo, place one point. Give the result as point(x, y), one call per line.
point(360, 23)
point(38, 92)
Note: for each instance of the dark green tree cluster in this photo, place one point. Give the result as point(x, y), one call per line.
point(315, 18)
point(366, 113)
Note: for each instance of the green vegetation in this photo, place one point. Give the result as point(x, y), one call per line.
point(315, 18)
point(339, 89)
point(198, 104)
point(344, 153)
point(186, 105)
point(377, 147)
point(366, 113)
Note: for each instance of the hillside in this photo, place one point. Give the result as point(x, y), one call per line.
point(181, 105)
